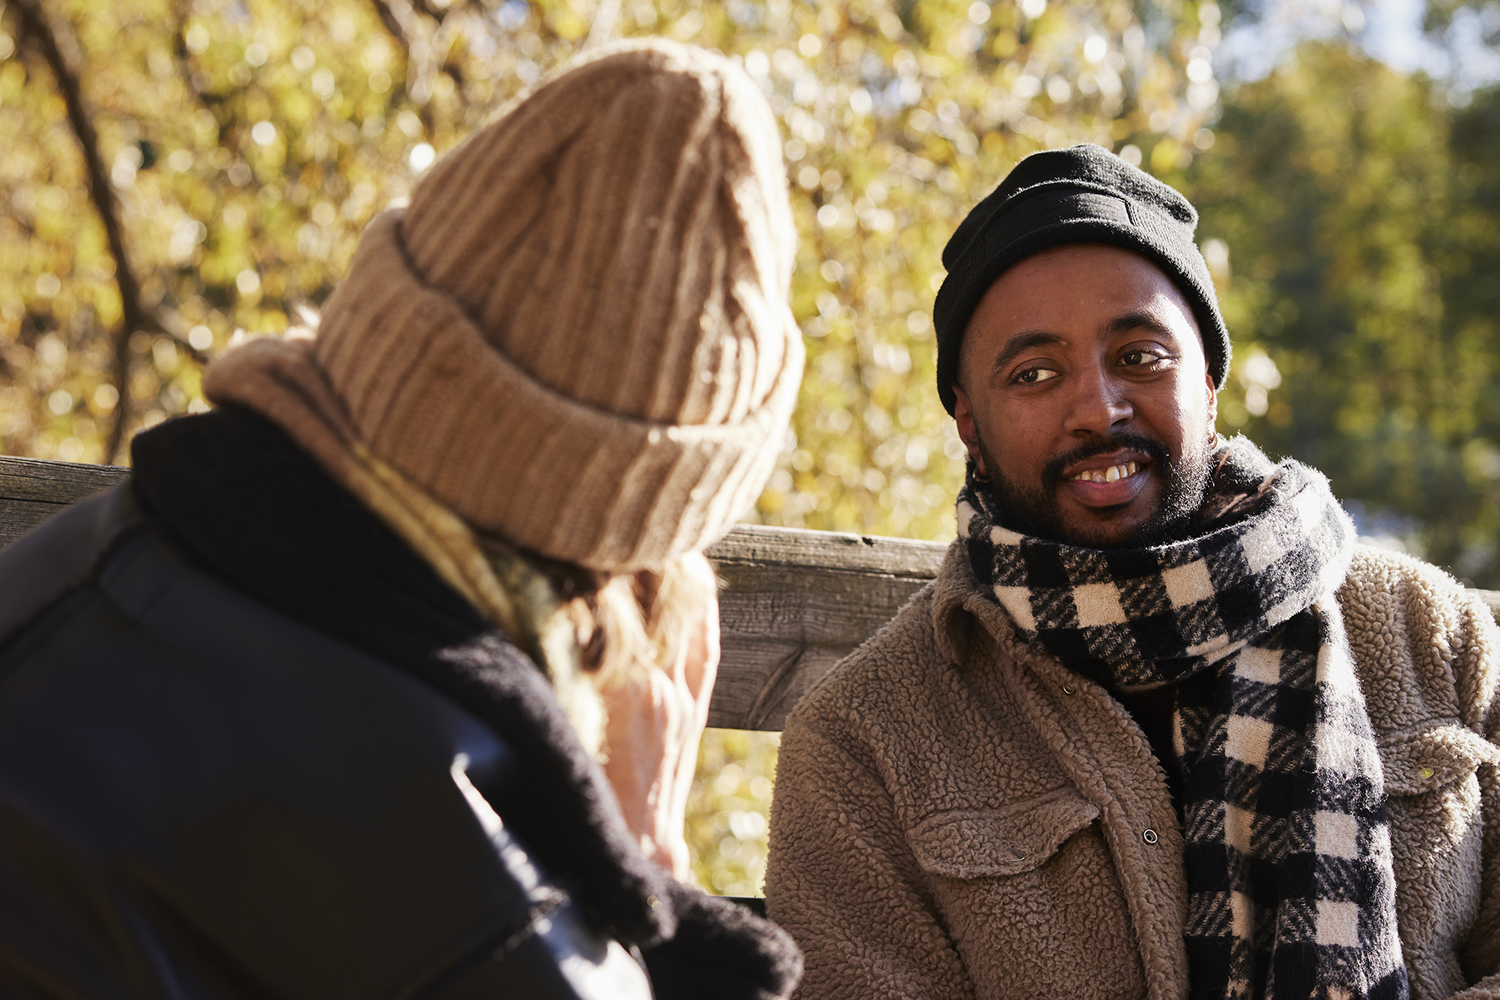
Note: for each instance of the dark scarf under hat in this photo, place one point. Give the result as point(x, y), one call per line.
point(1291, 891)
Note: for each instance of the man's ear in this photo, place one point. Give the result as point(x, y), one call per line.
point(1213, 399)
point(963, 415)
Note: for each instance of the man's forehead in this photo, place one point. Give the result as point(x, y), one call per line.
point(1110, 263)
point(1095, 278)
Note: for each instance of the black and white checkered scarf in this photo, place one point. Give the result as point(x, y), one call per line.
point(1288, 855)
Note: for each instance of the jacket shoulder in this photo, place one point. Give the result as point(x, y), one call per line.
point(43, 565)
point(900, 651)
point(1373, 568)
point(150, 708)
point(1426, 648)
point(930, 633)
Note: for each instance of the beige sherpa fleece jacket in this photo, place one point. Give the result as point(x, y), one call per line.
point(958, 815)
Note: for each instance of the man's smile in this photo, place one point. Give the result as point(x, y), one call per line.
point(1109, 480)
point(1110, 474)
point(1106, 479)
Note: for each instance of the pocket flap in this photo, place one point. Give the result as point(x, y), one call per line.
point(973, 843)
point(1421, 762)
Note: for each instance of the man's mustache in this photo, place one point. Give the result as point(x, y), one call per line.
point(1052, 472)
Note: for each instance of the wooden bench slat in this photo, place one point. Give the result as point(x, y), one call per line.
point(828, 552)
point(19, 516)
point(782, 627)
point(795, 602)
point(55, 482)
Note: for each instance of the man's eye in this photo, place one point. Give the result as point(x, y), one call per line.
point(1141, 356)
point(1031, 376)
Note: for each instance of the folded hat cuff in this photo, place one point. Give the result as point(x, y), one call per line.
point(428, 394)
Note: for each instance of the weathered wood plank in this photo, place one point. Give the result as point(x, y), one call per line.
point(829, 551)
point(19, 516)
point(55, 482)
point(32, 490)
point(794, 604)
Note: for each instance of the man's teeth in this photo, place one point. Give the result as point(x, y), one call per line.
point(1112, 474)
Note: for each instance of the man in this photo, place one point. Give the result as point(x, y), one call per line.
point(1160, 727)
point(310, 708)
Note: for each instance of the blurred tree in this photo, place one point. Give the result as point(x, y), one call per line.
point(243, 144)
point(1360, 215)
point(1459, 23)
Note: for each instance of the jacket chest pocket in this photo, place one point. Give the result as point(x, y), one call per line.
point(1428, 761)
point(976, 843)
point(1434, 802)
point(1031, 898)
point(1433, 794)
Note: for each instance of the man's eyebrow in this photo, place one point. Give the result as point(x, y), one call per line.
point(1138, 321)
point(1023, 342)
point(1124, 323)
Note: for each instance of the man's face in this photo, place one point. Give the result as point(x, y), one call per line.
point(1084, 396)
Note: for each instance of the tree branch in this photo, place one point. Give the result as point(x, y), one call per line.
point(37, 30)
point(392, 25)
point(399, 35)
point(426, 7)
point(603, 27)
point(182, 59)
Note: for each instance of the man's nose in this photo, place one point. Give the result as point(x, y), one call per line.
point(1100, 403)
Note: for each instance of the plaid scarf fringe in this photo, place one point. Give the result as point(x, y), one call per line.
point(1288, 854)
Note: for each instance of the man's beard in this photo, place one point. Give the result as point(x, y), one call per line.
point(1037, 512)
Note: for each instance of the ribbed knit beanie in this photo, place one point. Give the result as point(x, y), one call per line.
point(1084, 194)
point(576, 335)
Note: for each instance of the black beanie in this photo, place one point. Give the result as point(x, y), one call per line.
point(1084, 194)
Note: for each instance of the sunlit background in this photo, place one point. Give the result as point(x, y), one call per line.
point(1345, 158)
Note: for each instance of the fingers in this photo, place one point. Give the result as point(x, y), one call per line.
point(700, 662)
point(656, 721)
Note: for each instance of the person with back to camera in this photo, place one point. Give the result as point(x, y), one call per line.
point(1160, 727)
point(313, 705)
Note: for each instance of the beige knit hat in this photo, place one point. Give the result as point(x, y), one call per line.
point(577, 335)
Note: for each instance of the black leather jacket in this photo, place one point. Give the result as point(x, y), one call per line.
point(250, 745)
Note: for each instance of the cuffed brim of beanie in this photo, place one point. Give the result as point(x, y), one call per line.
point(974, 273)
point(517, 459)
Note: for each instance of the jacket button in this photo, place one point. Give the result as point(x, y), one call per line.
point(1149, 836)
point(1425, 773)
point(1067, 689)
point(1019, 855)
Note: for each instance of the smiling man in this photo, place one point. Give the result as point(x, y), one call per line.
point(1092, 400)
point(1161, 727)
